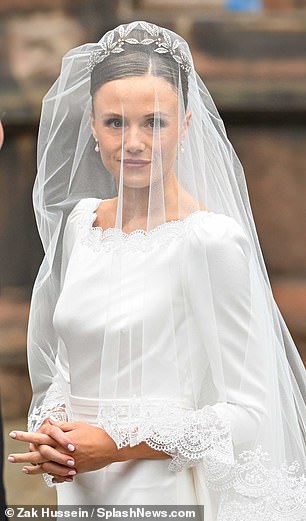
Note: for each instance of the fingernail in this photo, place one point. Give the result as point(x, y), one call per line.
point(25, 470)
point(69, 479)
point(71, 447)
point(12, 434)
point(53, 419)
point(71, 463)
point(11, 459)
point(71, 473)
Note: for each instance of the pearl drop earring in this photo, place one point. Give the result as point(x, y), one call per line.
point(97, 148)
point(182, 148)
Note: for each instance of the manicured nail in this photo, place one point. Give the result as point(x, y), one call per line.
point(13, 434)
point(71, 473)
point(71, 447)
point(71, 463)
point(69, 479)
point(11, 459)
point(25, 470)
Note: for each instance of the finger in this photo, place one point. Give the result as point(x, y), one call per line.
point(66, 426)
point(38, 469)
point(26, 457)
point(52, 421)
point(50, 454)
point(31, 437)
point(33, 447)
point(32, 470)
point(58, 435)
point(59, 479)
point(45, 468)
point(60, 470)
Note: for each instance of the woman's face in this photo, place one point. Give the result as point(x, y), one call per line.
point(128, 109)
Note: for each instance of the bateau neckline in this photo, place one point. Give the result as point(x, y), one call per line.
point(138, 231)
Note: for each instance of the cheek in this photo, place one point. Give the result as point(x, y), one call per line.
point(109, 144)
point(169, 144)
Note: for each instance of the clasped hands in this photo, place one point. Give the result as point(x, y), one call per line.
point(64, 449)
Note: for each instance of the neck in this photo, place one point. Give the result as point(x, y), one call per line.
point(135, 201)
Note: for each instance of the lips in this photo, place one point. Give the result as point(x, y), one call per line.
point(136, 163)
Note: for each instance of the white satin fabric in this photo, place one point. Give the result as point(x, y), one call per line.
point(80, 318)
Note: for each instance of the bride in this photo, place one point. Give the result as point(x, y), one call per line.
point(161, 367)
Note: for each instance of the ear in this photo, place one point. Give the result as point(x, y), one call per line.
point(186, 124)
point(93, 124)
point(188, 119)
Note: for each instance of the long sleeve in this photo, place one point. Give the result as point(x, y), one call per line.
point(54, 402)
point(219, 293)
point(226, 316)
point(55, 399)
point(48, 357)
point(53, 390)
point(235, 326)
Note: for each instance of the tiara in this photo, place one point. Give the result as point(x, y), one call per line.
point(157, 36)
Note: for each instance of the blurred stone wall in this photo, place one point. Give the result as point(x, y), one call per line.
point(254, 64)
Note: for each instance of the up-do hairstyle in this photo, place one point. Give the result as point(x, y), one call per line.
point(135, 60)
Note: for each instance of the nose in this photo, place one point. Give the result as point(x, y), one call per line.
point(133, 140)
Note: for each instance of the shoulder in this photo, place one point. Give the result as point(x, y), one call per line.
point(82, 214)
point(218, 234)
point(84, 207)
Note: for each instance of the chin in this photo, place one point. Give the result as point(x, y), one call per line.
point(136, 184)
point(136, 179)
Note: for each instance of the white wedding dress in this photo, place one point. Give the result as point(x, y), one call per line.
point(81, 318)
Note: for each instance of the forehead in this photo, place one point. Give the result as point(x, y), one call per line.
point(137, 93)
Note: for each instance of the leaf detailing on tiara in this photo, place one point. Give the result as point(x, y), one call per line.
point(156, 35)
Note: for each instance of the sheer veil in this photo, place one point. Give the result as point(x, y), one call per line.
point(245, 390)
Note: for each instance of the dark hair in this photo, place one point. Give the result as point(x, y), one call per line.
point(134, 61)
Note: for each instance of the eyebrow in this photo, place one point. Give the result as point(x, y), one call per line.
point(111, 115)
point(151, 115)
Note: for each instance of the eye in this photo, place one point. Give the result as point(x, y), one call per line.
point(114, 123)
point(156, 123)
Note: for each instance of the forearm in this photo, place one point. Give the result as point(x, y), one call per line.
point(140, 451)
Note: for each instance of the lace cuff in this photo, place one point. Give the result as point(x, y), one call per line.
point(201, 436)
point(250, 487)
point(54, 406)
point(188, 436)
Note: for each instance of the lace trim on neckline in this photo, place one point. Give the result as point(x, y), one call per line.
point(114, 239)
